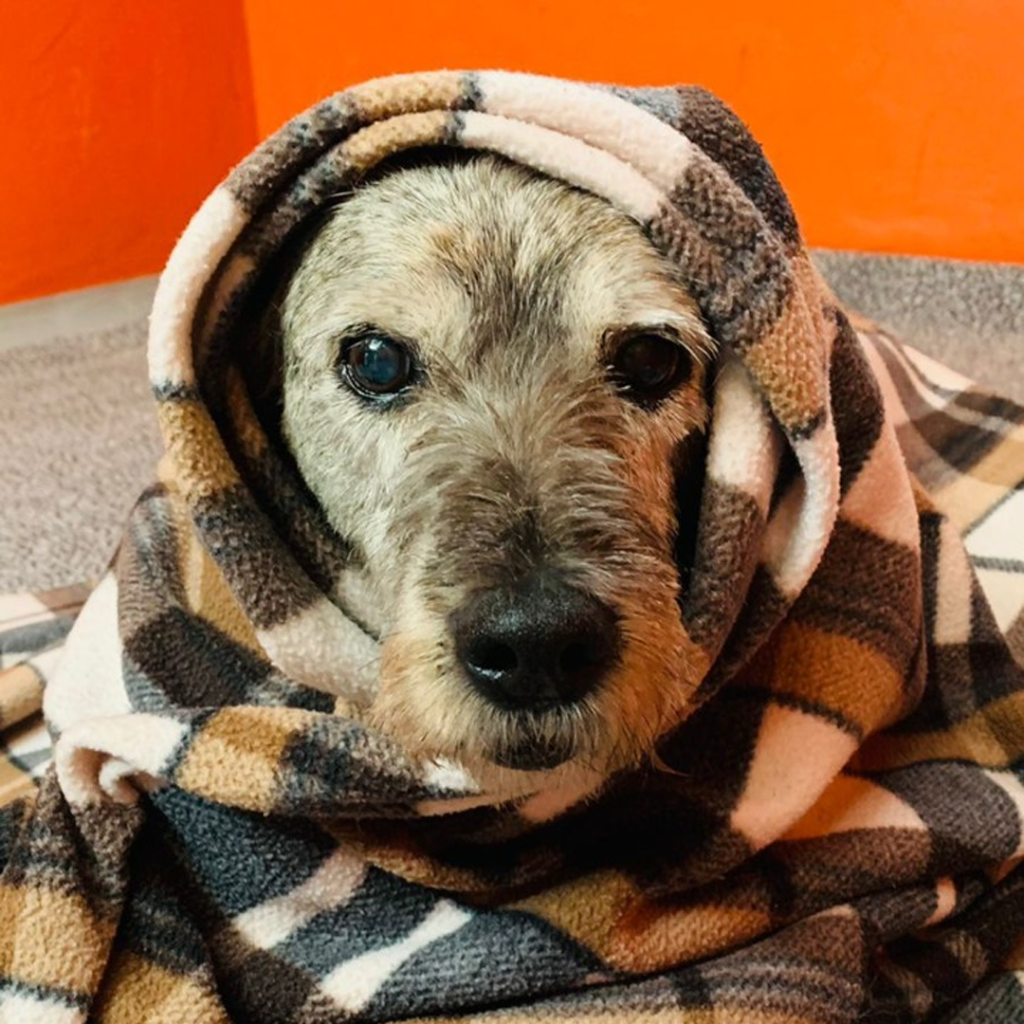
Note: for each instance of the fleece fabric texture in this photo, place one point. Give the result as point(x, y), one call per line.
point(833, 833)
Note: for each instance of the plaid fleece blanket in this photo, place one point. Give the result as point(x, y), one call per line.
point(832, 834)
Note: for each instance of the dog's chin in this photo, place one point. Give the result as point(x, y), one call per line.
point(532, 753)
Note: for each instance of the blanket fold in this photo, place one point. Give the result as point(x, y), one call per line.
point(831, 834)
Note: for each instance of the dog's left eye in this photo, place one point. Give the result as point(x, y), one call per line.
point(648, 366)
point(376, 365)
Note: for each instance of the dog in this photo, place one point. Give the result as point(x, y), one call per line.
point(492, 384)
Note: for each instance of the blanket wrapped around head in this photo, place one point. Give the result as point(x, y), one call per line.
point(830, 834)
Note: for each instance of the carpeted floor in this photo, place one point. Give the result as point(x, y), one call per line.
point(78, 442)
point(78, 438)
point(967, 315)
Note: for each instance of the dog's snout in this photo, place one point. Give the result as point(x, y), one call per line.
point(537, 644)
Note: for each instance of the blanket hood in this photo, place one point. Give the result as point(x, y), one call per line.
point(676, 160)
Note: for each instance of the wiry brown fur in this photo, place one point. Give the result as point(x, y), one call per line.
point(515, 453)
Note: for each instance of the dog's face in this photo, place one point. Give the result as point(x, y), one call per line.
point(487, 377)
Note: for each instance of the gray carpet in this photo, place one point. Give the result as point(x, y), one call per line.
point(967, 315)
point(78, 438)
point(78, 442)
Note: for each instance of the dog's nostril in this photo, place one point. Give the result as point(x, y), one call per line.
point(578, 657)
point(492, 657)
point(537, 644)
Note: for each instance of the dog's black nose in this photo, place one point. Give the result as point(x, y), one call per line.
point(536, 644)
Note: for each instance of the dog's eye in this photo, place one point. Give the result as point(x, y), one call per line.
point(647, 367)
point(376, 365)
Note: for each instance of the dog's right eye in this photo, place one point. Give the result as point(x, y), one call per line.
point(647, 366)
point(376, 365)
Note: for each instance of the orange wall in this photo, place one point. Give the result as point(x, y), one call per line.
point(118, 117)
point(896, 125)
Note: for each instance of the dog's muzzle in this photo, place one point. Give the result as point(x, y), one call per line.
point(532, 649)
